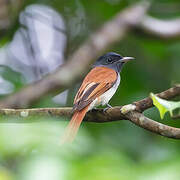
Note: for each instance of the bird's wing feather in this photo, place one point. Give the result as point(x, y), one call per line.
point(97, 81)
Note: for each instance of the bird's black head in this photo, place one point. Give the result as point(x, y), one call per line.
point(112, 60)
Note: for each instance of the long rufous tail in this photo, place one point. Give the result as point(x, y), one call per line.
point(73, 126)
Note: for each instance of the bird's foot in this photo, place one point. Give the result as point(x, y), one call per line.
point(108, 106)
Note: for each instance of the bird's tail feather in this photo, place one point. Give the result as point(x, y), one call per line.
point(73, 126)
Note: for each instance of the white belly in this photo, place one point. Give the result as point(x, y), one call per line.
point(104, 98)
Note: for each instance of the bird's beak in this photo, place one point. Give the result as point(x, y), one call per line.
point(126, 59)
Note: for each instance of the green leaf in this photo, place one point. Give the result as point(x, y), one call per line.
point(164, 106)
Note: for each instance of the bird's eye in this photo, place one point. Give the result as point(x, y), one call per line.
point(110, 60)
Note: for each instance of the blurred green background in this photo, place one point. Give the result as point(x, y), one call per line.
point(107, 151)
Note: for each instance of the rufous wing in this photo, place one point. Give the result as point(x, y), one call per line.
point(97, 82)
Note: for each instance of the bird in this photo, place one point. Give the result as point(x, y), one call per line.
point(97, 88)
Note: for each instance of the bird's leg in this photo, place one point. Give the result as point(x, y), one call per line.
point(108, 106)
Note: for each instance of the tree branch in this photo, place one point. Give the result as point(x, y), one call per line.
point(112, 114)
point(80, 61)
point(153, 126)
point(147, 102)
point(127, 112)
point(165, 29)
point(69, 73)
point(109, 33)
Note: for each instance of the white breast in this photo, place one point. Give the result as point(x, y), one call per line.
point(104, 98)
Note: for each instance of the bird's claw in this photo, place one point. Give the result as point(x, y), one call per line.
point(108, 107)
